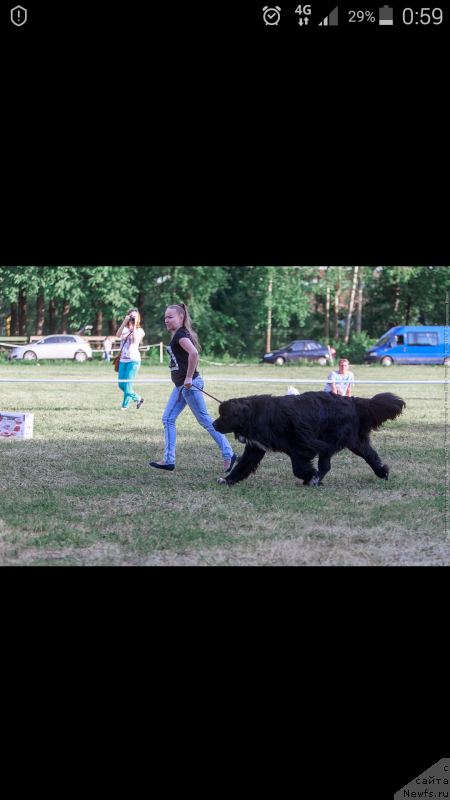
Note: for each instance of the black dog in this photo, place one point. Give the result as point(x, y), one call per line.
point(314, 423)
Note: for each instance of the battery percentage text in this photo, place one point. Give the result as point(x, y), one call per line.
point(362, 16)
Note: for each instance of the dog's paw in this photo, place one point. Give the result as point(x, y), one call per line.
point(223, 480)
point(314, 482)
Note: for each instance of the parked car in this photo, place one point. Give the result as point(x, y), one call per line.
point(299, 351)
point(73, 347)
point(409, 345)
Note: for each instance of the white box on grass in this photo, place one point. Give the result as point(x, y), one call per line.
point(16, 426)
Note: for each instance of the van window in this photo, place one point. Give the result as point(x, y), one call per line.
point(397, 341)
point(423, 339)
point(384, 341)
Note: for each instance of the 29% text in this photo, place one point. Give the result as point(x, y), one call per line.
point(361, 16)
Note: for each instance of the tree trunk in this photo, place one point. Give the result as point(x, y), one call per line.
point(360, 304)
point(337, 301)
point(408, 309)
point(174, 293)
point(269, 318)
point(327, 316)
point(112, 326)
point(141, 296)
point(397, 299)
point(97, 331)
point(141, 307)
point(352, 305)
point(23, 312)
point(52, 316)
point(65, 316)
point(13, 325)
point(40, 313)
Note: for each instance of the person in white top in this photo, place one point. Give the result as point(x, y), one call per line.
point(343, 380)
point(107, 346)
point(131, 334)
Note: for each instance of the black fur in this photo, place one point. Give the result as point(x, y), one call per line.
point(304, 426)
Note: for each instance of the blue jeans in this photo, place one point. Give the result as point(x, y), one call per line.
point(107, 355)
point(129, 372)
point(196, 402)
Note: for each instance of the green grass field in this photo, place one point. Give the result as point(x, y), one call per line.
point(82, 493)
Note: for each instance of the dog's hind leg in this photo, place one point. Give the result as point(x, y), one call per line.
point(249, 463)
point(365, 451)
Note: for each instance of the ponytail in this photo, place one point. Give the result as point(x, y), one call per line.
point(187, 323)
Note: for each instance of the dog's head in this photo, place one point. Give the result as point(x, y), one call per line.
point(234, 414)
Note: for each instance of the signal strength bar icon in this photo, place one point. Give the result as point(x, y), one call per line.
point(331, 19)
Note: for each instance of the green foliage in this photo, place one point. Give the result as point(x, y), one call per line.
point(229, 305)
point(356, 348)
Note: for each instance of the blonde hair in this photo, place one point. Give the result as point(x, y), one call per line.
point(187, 323)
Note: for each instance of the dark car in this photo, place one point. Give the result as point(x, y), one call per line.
point(307, 350)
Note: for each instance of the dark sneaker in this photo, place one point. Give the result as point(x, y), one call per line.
point(141, 403)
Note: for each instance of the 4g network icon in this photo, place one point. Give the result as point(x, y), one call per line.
point(272, 16)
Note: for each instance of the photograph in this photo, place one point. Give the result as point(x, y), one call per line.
point(224, 416)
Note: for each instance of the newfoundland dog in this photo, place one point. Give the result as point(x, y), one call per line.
point(314, 423)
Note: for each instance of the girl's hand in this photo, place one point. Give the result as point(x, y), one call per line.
point(188, 383)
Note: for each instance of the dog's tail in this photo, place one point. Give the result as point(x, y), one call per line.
point(373, 413)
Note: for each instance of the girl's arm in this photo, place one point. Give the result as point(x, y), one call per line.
point(120, 331)
point(187, 345)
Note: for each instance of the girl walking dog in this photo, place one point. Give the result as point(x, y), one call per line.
point(183, 366)
point(131, 334)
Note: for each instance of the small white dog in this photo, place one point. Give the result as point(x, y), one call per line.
point(293, 390)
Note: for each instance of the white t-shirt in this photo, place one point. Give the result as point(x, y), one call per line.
point(130, 351)
point(107, 344)
point(342, 382)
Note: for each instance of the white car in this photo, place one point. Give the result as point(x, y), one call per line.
point(73, 347)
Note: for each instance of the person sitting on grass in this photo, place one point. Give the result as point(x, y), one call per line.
point(342, 380)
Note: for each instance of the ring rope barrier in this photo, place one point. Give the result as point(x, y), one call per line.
point(232, 380)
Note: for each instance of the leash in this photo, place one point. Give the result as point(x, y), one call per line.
point(199, 390)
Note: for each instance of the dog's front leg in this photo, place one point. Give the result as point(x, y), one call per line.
point(248, 464)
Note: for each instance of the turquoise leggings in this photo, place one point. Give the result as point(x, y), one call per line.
point(128, 372)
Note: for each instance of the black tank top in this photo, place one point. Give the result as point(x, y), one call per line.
point(179, 358)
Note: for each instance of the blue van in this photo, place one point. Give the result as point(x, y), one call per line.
point(406, 345)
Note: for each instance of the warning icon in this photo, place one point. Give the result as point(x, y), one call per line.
point(18, 16)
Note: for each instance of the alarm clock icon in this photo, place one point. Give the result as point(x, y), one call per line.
point(271, 16)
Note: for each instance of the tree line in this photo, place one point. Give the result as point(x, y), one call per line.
point(238, 310)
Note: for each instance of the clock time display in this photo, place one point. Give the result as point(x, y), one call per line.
point(426, 16)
